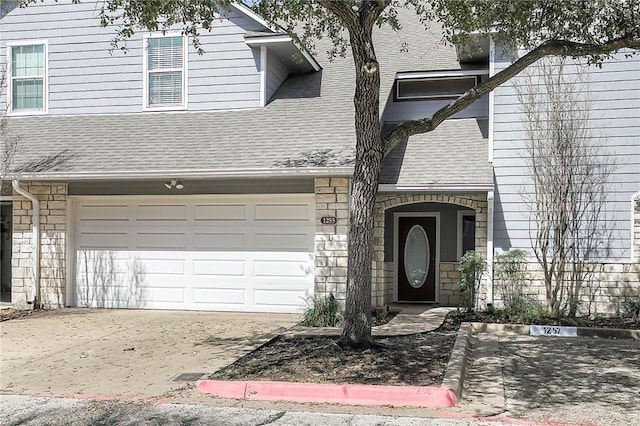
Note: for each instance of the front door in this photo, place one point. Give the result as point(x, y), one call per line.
point(416, 261)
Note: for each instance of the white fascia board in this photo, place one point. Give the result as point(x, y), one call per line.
point(432, 74)
point(262, 40)
point(251, 14)
point(392, 188)
point(267, 40)
point(196, 174)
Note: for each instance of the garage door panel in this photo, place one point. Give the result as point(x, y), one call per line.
point(219, 296)
point(102, 240)
point(282, 241)
point(174, 295)
point(220, 212)
point(218, 267)
point(282, 212)
point(161, 212)
point(161, 240)
point(226, 253)
point(104, 212)
point(163, 266)
point(277, 297)
point(220, 240)
point(281, 268)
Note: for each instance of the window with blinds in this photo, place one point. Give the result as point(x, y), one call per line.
point(28, 77)
point(165, 71)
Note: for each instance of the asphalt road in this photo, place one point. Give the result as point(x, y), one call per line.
point(26, 410)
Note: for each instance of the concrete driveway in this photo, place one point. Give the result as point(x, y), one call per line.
point(550, 380)
point(94, 352)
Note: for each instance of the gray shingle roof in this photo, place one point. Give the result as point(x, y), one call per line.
point(309, 122)
point(455, 153)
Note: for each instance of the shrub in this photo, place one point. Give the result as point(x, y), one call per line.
point(510, 269)
point(322, 312)
point(472, 266)
point(631, 309)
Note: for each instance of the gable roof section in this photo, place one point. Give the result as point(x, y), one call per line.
point(454, 155)
point(307, 125)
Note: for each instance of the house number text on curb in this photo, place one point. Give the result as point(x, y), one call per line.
point(552, 330)
point(328, 220)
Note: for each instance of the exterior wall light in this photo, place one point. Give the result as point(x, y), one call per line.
point(174, 184)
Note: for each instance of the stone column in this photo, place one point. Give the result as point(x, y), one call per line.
point(53, 232)
point(332, 200)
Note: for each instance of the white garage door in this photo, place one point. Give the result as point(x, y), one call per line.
point(232, 253)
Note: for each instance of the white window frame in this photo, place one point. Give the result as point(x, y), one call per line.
point(435, 78)
point(45, 85)
point(145, 72)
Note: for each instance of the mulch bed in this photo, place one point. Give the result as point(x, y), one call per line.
point(10, 313)
point(417, 360)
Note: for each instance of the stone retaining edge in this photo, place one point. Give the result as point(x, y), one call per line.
point(522, 329)
point(456, 372)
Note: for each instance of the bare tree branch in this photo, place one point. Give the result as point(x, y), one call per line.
point(9, 140)
point(548, 48)
point(570, 171)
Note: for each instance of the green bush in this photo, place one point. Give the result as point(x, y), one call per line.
point(509, 272)
point(322, 312)
point(472, 266)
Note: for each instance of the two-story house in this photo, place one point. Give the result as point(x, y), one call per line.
point(159, 178)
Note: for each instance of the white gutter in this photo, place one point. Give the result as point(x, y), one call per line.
point(429, 74)
point(392, 188)
point(195, 174)
point(35, 232)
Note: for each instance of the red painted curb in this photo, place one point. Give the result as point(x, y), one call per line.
point(399, 396)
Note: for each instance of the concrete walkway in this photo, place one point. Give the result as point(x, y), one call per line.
point(411, 319)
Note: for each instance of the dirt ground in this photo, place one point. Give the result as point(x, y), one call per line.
point(124, 352)
point(417, 360)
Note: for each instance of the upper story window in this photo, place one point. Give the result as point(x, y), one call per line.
point(165, 72)
point(28, 78)
point(434, 87)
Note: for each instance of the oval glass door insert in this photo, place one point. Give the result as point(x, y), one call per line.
point(416, 256)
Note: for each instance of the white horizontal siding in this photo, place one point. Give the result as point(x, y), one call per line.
point(614, 94)
point(86, 77)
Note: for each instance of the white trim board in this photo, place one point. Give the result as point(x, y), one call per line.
point(398, 215)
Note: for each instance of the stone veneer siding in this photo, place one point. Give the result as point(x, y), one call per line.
point(332, 199)
point(53, 232)
point(382, 286)
point(449, 283)
point(606, 289)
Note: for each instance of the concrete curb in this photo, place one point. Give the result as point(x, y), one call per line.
point(370, 395)
point(456, 372)
point(522, 329)
point(446, 395)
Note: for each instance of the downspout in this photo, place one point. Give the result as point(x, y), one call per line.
point(35, 232)
point(490, 199)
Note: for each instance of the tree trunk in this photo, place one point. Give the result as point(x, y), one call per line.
point(364, 187)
